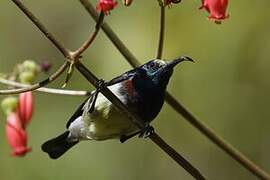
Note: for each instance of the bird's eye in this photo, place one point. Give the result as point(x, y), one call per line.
point(154, 65)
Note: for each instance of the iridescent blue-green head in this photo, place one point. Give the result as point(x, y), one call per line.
point(155, 74)
point(150, 82)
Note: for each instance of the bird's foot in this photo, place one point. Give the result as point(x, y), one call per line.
point(101, 84)
point(146, 131)
point(124, 137)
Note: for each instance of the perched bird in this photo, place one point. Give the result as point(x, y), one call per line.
point(142, 90)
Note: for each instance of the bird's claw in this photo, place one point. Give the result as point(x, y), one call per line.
point(146, 132)
point(101, 84)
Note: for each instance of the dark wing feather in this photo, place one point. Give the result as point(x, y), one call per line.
point(121, 78)
point(115, 80)
point(77, 113)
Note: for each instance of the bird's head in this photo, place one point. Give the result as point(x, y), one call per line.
point(158, 72)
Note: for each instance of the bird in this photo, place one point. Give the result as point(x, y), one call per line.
point(141, 89)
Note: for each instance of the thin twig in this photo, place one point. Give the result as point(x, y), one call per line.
point(161, 31)
point(37, 85)
point(111, 35)
point(43, 29)
point(113, 98)
point(69, 55)
point(176, 156)
point(204, 129)
point(46, 90)
point(91, 37)
point(154, 137)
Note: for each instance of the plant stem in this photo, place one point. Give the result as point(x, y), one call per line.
point(154, 137)
point(33, 87)
point(46, 90)
point(204, 129)
point(161, 31)
point(108, 94)
point(91, 38)
point(43, 29)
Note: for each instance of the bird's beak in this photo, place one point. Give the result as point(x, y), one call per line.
point(172, 63)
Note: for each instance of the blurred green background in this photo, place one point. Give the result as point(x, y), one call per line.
point(228, 88)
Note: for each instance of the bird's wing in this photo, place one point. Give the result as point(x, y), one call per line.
point(122, 77)
point(77, 113)
point(80, 109)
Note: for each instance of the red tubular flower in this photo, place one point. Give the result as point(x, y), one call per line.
point(106, 5)
point(16, 136)
point(216, 8)
point(26, 107)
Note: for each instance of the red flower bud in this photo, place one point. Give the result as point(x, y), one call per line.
point(216, 8)
point(16, 136)
point(106, 5)
point(26, 107)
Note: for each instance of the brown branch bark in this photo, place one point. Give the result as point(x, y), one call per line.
point(161, 31)
point(46, 90)
point(154, 137)
point(203, 128)
point(108, 94)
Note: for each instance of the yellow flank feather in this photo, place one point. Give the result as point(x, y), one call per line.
point(106, 122)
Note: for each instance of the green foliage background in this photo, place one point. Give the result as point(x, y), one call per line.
point(227, 88)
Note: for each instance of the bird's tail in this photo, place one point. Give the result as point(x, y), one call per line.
point(56, 147)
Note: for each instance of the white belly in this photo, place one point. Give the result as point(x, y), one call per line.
point(106, 122)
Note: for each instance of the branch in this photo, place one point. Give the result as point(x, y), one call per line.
point(46, 90)
point(154, 137)
point(90, 39)
point(111, 35)
point(43, 29)
point(161, 31)
point(93, 79)
point(69, 55)
point(204, 129)
point(37, 85)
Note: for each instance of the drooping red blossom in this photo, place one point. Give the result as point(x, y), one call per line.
point(26, 106)
point(106, 5)
point(16, 135)
point(216, 8)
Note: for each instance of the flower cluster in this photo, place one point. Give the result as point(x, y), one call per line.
point(215, 8)
point(19, 113)
point(19, 110)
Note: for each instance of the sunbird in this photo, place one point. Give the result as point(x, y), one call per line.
point(142, 90)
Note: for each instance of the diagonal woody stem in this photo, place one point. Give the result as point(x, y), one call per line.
point(91, 38)
point(203, 128)
point(70, 56)
point(43, 29)
point(154, 137)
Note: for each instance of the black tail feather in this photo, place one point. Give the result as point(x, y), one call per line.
point(56, 147)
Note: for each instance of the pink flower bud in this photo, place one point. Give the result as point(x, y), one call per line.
point(16, 136)
point(106, 5)
point(26, 107)
point(216, 8)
